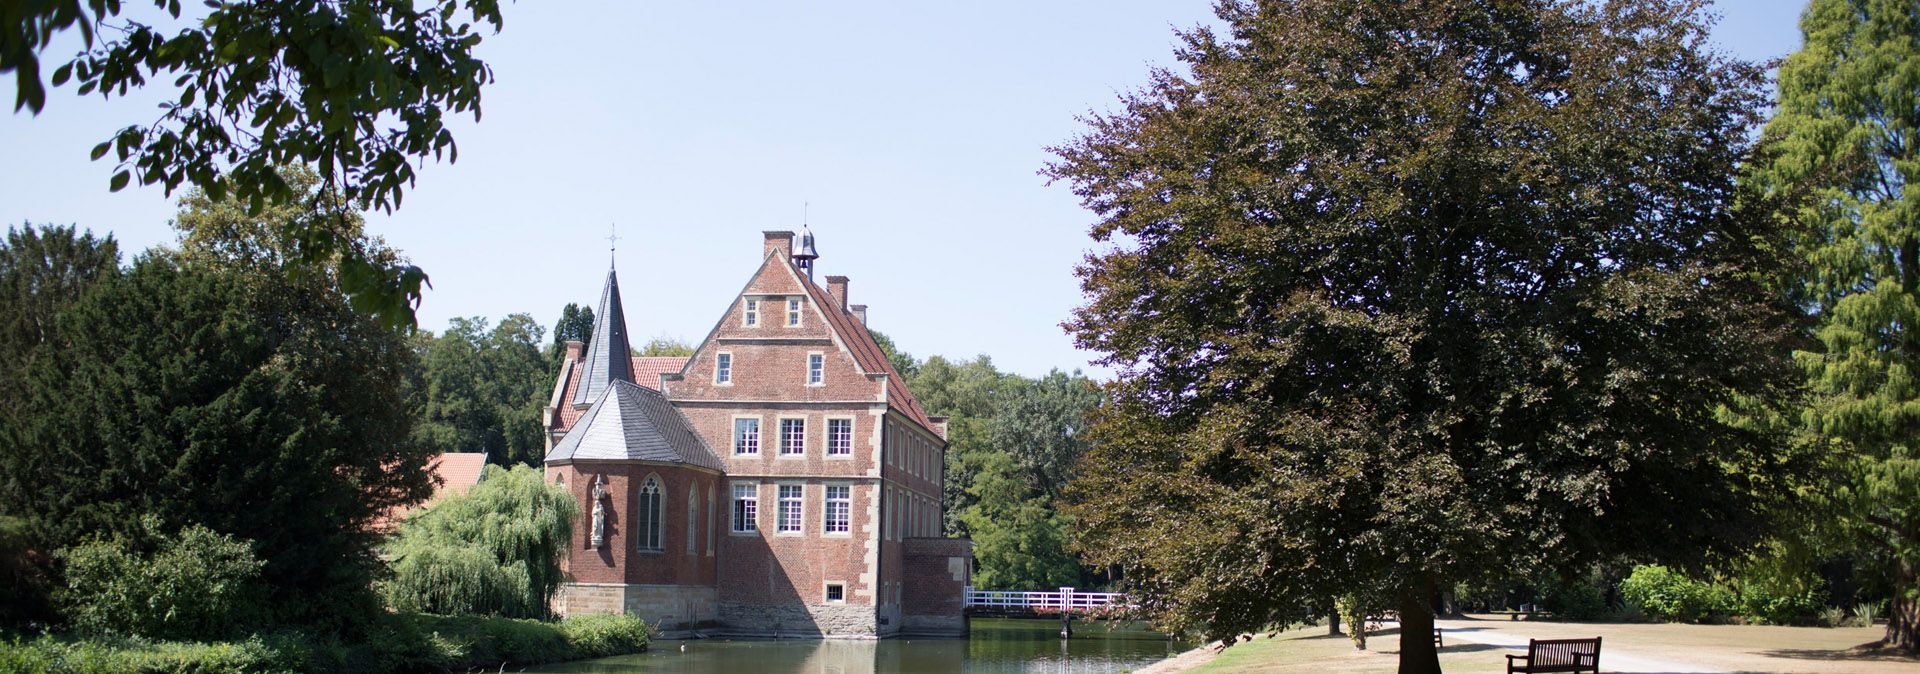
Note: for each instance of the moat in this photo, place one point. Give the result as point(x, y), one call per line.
point(995, 645)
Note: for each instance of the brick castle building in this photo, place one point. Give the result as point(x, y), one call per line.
point(781, 481)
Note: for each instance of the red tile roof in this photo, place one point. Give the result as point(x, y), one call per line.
point(867, 352)
point(452, 473)
point(647, 369)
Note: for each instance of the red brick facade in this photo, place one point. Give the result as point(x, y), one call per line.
point(806, 415)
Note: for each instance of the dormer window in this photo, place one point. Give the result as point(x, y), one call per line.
point(816, 369)
point(793, 312)
point(723, 368)
point(750, 315)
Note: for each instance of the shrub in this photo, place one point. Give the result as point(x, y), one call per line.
point(195, 585)
point(1759, 603)
point(397, 643)
point(1576, 598)
point(50, 655)
point(599, 636)
point(1669, 595)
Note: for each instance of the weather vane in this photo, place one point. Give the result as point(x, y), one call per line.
point(613, 237)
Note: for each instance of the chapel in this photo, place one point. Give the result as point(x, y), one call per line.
point(780, 482)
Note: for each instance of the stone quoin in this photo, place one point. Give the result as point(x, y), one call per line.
point(780, 482)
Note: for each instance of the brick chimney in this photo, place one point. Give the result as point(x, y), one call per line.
point(573, 349)
point(778, 239)
point(860, 312)
point(837, 287)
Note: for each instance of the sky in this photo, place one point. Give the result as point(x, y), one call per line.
point(908, 135)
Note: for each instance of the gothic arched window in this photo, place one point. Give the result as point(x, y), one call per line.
point(649, 527)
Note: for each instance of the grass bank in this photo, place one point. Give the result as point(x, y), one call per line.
point(401, 644)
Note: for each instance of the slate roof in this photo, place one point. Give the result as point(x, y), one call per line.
point(608, 358)
point(634, 423)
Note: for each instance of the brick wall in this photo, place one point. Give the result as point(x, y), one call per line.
point(937, 572)
point(620, 561)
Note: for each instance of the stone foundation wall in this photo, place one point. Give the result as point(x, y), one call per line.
point(678, 610)
point(851, 621)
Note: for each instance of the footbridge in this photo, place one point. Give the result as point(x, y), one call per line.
point(1063, 602)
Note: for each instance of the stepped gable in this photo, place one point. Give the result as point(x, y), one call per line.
point(867, 352)
point(608, 358)
point(634, 423)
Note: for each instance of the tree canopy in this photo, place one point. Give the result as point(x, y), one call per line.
point(482, 389)
point(357, 89)
point(1407, 293)
point(259, 408)
point(1840, 151)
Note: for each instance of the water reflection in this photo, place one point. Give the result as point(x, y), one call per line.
point(996, 646)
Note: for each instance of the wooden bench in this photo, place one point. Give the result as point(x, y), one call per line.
point(1557, 655)
point(1436, 639)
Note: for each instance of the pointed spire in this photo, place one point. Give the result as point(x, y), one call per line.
point(609, 358)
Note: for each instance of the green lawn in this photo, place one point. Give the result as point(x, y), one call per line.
point(1311, 651)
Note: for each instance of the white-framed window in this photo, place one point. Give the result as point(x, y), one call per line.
point(693, 517)
point(746, 508)
point(793, 312)
point(649, 527)
point(836, 593)
point(839, 511)
point(750, 313)
point(816, 369)
point(791, 499)
point(723, 368)
point(839, 437)
point(746, 436)
point(793, 437)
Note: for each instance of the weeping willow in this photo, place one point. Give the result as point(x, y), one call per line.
point(492, 551)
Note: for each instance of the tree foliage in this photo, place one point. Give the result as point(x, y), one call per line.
point(576, 324)
point(1011, 445)
point(1405, 293)
point(665, 346)
point(191, 585)
point(43, 270)
point(358, 89)
point(201, 394)
point(494, 550)
point(483, 388)
point(1841, 150)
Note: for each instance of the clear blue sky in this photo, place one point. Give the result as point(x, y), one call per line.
point(914, 129)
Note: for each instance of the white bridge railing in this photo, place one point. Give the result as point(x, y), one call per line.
point(1065, 599)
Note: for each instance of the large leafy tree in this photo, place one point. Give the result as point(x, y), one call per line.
point(1841, 149)
point(964, 392)
point(483, 388)
point(358, 89)
point(1408, 293)
point(1034, 437)
point(227, 397)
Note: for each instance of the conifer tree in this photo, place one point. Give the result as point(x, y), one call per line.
point(1842, 150)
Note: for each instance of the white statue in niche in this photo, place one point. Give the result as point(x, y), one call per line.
point(600, 512)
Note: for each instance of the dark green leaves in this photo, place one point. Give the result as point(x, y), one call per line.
point(1413, 292)
point(356, 89)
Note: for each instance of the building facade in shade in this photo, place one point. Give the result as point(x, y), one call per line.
point(781, 481)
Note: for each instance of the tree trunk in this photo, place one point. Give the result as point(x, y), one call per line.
point(1333, 623)
point(1417, 653)
point(1903, 622)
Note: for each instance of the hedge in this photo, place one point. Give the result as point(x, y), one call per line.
point(400, 644)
